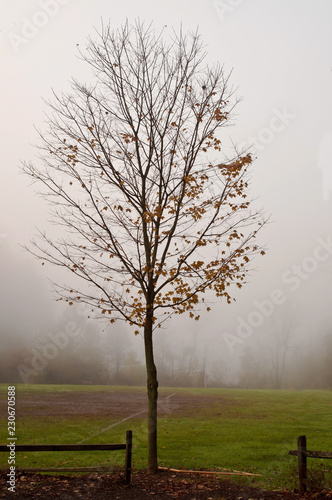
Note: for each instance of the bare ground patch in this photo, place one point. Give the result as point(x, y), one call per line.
point(164, 485)
point(111, 404)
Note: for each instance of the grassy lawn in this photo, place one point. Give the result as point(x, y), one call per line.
point(246, 430)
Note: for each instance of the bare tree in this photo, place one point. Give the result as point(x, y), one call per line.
point(282, 344)
point(131, 165)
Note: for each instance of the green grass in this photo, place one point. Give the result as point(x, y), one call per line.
point(246, 430)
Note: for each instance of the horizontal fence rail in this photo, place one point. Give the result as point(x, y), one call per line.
point(79, 447)
point(65, 447)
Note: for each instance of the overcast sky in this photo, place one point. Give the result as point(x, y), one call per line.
point(280, 53)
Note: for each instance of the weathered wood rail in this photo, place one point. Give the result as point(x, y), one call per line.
point(302, 453)
point(78, 447)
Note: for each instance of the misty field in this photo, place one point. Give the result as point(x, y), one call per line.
point(243, 430)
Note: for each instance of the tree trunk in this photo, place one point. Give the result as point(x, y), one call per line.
point(152, 387)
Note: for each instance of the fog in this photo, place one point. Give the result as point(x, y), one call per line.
point(281, 321)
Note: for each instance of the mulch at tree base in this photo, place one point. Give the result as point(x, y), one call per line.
point(164, 485)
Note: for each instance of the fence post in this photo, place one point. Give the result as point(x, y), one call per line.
point(129, 444)
point(302, 447)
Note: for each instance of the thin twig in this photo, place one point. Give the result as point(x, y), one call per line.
point(233, 473)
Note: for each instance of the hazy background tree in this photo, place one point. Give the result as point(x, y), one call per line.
point(281, 337)
point(154, 217)
point(119, 361)
point(253, 370)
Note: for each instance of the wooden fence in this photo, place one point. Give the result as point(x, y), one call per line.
point(78, 447)
point(302, 454)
